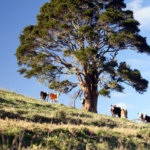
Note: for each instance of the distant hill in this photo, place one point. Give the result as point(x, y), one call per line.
point(28, 123)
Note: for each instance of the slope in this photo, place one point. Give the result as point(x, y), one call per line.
point(28, 123)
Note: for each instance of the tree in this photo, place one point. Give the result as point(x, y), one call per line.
point(82, 37)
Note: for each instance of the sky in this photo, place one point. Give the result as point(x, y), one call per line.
point(16, 15)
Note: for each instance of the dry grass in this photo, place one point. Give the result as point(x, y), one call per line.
point(27, 123)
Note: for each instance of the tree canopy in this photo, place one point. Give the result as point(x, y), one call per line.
point(82, 37)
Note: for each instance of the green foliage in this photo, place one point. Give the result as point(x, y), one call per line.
point(61, 8)
point(111, 15)
point(83, 55)
point(33, 72)
point(64, 86)
point(109, 67)
point(130, 25)
point(65, 28)
point(52, 67)
point(88, 12)
point(67, 52)
point(22, 70)
point(52, 24)
point(134, 76)
point(67, 16)
point(116, 4)
point(86, 31)
point(40, 57)
point(104, 92)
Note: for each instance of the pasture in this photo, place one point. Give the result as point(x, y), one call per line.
point(28, 123)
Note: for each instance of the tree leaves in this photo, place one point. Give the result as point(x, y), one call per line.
point(90, 32)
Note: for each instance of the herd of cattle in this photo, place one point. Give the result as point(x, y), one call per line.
point(114, 109)
point(123, 113)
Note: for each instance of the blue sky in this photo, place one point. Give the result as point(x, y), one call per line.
point(16, 14)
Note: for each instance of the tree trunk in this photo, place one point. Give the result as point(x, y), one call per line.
point(91, 97)
point(89, 88)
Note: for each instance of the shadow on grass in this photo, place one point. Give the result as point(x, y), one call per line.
point(81, 115)
point(10, 115)
point(36, 118)
point(6, 101)
point(102, 123)
point(42, 119)
point(22, 102)
point(34, 105)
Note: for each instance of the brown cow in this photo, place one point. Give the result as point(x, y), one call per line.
point(54, 97)
point(124, 113)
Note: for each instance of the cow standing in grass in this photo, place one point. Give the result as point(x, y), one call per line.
point(141, 117)
point(124, 113)
point(146, 118)
point(115, 111)
point(43, 95)
point(54, 97)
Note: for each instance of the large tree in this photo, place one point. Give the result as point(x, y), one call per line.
point(82, 37)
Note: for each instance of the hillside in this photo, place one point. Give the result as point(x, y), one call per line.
point(27, 123)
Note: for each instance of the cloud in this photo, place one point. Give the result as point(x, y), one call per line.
point(142, 14)
point(119, 95)
point(135, 4)
point(137, 63)
point(124, 106)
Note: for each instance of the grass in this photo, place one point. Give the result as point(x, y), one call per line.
point(27, 123)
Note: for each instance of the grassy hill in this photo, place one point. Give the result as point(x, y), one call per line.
point(27, 123)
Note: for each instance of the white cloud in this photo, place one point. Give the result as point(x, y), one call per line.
point(124, 106)
point(119, 95)
point(136, 4)
point(142, 14)
point(137, 63)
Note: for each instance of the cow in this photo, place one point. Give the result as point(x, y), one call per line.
point(146, 118)
point(54, 97)
point(83, 102)
point(43, 95)
point(141, 117)
point(115, 111)
point(124, 113)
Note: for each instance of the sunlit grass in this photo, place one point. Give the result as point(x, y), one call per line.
point(27, 123)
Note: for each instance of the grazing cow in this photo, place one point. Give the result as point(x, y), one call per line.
point(124, 113)
point(141, 117)
point(54, 97)
point(43, 95)
point(115, 111)
point(83, 102)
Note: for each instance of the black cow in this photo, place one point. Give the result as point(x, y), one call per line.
point(115, 111)
point(141, 117)
point(43, 95)
point(147, 118)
